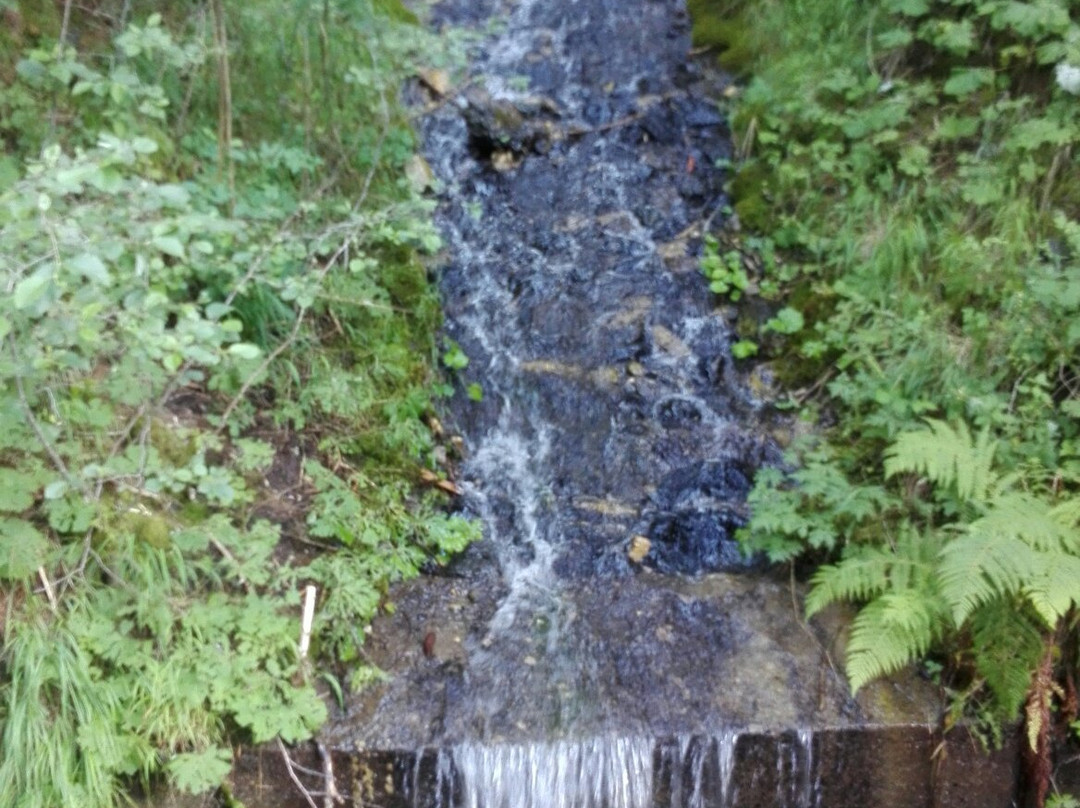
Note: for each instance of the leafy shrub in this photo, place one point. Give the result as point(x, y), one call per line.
point(916, 164)
point(176, 305)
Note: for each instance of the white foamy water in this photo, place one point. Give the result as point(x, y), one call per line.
point(597, 773)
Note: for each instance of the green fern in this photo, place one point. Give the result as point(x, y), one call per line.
point(1007, 646)
point(892, 631)
point(948, 456)
point(867, 571)
point(1019, 547)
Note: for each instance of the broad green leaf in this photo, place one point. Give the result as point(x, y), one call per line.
point(953, 127)
point(71, 513)
point(1034, 133)
point(56, 489)
point(245, 350)
point(967, 80)
point(23, 549)
point(30, 290)
point(144, 145)
point(18, 490)
point(170, 245)
point(216, 310)
point(90, 266)
point(786, 321)
point(198, 772)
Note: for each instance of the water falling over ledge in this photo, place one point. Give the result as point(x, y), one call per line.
point(549, 668)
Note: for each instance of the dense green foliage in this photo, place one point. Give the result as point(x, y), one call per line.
point(912, 164)
point(214, 330)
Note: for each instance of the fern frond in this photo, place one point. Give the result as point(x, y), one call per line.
point(870, 570)
point(1007, 647)
point(1028, 518)
point(948, 456)
point(1055, 588)
point(981, 566)
point(1067, 516)
point(889, 633)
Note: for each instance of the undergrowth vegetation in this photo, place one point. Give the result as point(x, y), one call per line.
point(216, 350)
point(908, 184)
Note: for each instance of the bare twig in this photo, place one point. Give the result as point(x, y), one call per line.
point(228, 556)
point(292, 774)
point(49, 593)
point(331, 796)
point(65, 22)
point(307, 619)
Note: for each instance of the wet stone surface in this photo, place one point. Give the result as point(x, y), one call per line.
point(612, 417)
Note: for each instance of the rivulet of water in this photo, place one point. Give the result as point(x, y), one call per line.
point(606, 643)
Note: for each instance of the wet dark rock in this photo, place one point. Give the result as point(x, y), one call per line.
point(696, 541)
point(610, 411)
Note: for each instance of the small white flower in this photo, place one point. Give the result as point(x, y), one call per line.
point(1068, 78)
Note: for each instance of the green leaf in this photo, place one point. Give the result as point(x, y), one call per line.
point(786, 321)
point(18, 490)
point(889, 633)
point(90, 266)
point(198, 772)
point(170, 245)
point(30, 290)
point(914, 160)
point(954, 127)
point(1037, 132)
point(965, 81)
point(23, 549)
point(947, 456)
point(744, 349)
point(475, 392)
point(244, 350)
point(144, 145)
point(56, 489)
point(455, 358)
point(71, 513)
point(982, 566)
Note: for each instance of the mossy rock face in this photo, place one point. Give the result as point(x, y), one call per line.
point(753, 213)
point(720, 24)
point(403, 277)
point(748, 188)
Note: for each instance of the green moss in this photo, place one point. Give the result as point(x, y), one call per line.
point(395, 10)
point(404, 277)
point(153, 530)
point(39, 18)
point(720, 24)
point(749, 188)
point(176, 446)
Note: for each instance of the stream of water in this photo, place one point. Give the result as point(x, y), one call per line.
point(605, 644)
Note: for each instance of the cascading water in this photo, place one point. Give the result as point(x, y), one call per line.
point(610, 772)
point(603, 646)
